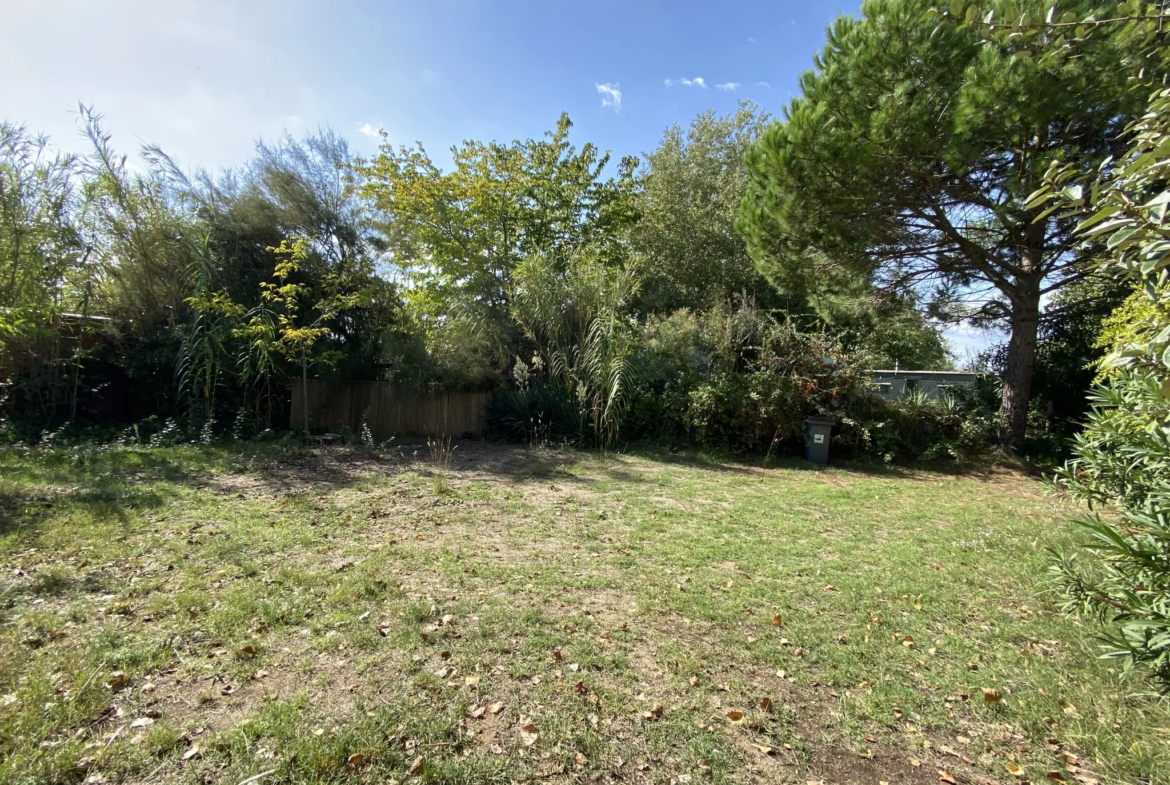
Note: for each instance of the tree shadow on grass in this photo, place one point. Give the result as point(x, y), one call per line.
point(991, 468)
point(105, 485)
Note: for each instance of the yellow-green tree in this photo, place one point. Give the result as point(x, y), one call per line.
point(295, 329)
point(456, 235)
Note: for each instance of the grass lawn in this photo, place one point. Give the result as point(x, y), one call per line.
point(207, 614)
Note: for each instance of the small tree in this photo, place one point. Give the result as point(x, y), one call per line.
point(1123, 456)
point(294, 334)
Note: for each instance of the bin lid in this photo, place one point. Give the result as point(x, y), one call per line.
point(821, 421)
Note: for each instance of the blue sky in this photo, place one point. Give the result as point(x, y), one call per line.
point(205, 79)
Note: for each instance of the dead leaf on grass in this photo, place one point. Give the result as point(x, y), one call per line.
point(654, 713)
point(945, 776)
point(528, 731)
point(497, 708)
point(1015, 769)
point(735, 715)
point(992, 695)
point(353, 761)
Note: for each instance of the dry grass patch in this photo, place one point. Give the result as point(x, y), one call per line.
point(204, 614)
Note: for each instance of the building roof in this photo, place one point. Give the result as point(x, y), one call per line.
point(901, 371)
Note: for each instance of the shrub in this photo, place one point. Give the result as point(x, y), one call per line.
point(918, 428)
point(1123, 455)
point(536, 415)
point(735, 378)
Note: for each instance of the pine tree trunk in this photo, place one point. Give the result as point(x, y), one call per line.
point(1021, 361)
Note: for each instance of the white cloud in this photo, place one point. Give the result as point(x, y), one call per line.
point(751, 40)
point(764, 84)
point(611, 95)
point(727, 86)
point(669, 82)
point(696, 82)
point(369, 130)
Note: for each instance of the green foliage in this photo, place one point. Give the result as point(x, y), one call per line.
point(1073, 327)
point(957, 428)
point(735, 378)
point(1123, 455)
point(907, 160)
point(40, 248)
point(691, 190)
point(537, 415)
point(576, 314)
point(458, 235)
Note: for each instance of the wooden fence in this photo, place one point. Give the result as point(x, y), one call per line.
point(388, 412)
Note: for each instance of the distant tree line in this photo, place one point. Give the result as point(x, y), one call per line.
point(888, 200)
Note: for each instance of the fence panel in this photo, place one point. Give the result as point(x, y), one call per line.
point(387, 411)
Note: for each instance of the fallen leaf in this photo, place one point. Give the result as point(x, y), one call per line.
point(908, 642)
point(735, 715)
point(353, 761)
point(766, 704)
point(914, 762)
point(141, 722)
point(247, 653)
point(1015, 769)
point(654, 713)
point(192, 752)
point(694, 680)
point(992, 695)
point(118, 681)
point(416, 766)
point(945, 776)
point(497, 708)
point(477, 712)
point(581, 759)
point(777, 621)
point(471, 681)
point(763, 748)
point(1056, 776)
